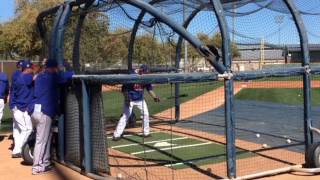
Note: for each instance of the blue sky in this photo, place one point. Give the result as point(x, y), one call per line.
point(6, 10)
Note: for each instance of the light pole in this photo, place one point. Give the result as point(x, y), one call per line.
point(279, 20)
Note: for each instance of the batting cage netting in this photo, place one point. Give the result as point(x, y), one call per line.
point(217, 89)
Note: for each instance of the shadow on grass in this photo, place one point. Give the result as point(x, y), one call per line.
point(6, 125)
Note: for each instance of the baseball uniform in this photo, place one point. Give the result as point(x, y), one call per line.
point(4, 91)
point(135, 95)
point(22, 94)
point(44, 108)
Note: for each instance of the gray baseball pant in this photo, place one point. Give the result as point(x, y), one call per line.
point(41, 153)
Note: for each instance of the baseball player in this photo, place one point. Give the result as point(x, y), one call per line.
point(22, 96)
point(14, 77)
point(134, 96)
point(4, 91)
point(43, 109)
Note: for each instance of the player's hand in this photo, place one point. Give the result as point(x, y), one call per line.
point(156, 99)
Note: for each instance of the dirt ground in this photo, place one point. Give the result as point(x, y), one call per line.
point(293, 176)
point(12, 169)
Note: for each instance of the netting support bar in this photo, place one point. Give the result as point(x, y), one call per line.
point(228, 89)
point(77, 37)
point(53, 37)
point(178, 57)
point(306, 76)
point(59, 49)
point(76, 44)
point(203, 50)
point(193, 77)
point(86, 128)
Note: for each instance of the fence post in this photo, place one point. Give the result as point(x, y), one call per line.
point(306, 76)
point(228, 85)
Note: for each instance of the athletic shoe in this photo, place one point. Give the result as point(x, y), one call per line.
point(147, 135)
point(18, 155)
point(116, 138)
point(45, 171)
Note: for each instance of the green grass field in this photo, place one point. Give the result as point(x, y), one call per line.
point(278, 95)
point(173, 151)
point(6, 125)
point(113, 101)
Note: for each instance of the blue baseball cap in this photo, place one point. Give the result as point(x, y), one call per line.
point(26, 64)
point(19, 63)
point(51, 63)
point(144, 68)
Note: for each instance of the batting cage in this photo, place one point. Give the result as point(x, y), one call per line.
point(187, 89)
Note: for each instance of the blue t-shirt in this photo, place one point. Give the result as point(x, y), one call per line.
point(14, 77)
point(45, 98)
point(23, 91)
point(4, 86)
point(135, 91)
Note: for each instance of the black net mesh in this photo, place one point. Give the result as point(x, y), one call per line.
point(262, 44)
point(269, 123)
point(72, 130)
point(268, 112)
point(99, 159)
point(188, 125)
point(189, 148)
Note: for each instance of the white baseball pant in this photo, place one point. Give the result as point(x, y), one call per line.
point(23, 125)
point(41, 151)
point(1, 108)
point(127, 111)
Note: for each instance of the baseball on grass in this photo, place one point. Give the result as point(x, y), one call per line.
point(264, 145)
point(288, 141)
point(257, 135)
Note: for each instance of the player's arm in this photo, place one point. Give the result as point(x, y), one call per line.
point(152, 93)
point(125, 93)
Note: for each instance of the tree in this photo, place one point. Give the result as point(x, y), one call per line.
point(19, 37)
point(115, 49)
point(151, 50)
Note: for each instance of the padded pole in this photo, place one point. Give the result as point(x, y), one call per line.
point(306, 76)
point(228, 90)
point(86, 128)
point(59, 56)
point(53, 38)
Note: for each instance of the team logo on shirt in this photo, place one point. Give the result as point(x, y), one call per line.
point(138, 87)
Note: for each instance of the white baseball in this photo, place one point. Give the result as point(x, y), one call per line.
point(288, 141)
point(257, 135)
point(119, 175)
point(264, 145)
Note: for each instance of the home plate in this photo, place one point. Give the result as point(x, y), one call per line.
point(163, 144)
